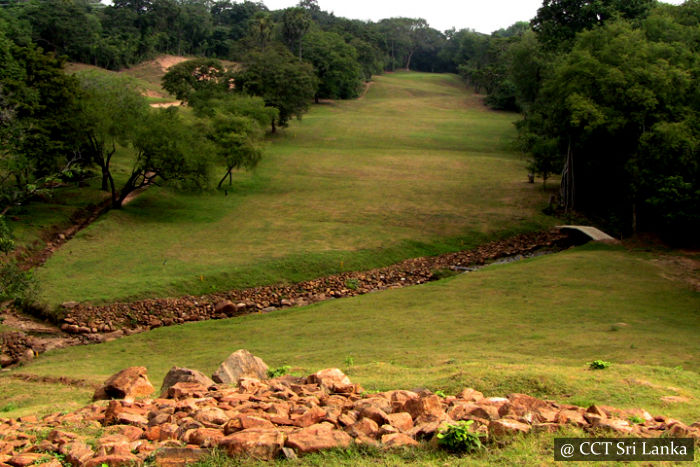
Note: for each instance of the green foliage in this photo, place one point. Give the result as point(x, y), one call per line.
point(460, 438)
point(440, 393)
point(201, 75)
point(599, 365)
point(352, 283)
point(167, 149)
point(619, 108)
point(17, 285)
point(335, 63)
point(636, 420)
point(8, 407)
point(279, 371)
point(281, 80)
point(295, 24)
point(7, 243)
point(39, 119)
point(558, 21)
point(113, 109)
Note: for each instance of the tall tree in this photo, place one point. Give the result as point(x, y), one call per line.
point(281, 80)
point(335, 63)
point(113, 109)
point(295, 24)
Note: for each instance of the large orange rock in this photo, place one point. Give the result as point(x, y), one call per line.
point(332, 379)
point(183, 375)
point(470, 395)
point(364, 428)
point(507, 427)
point(310, 417)
point(400, 420)
point(396, 440)
point(179, 457)
point(25, 459)
point(318, 437)
point(261, 443)
point(130, 382)
point(77, 452)
point(114, 461)
point(428, 405)
point(204, 437)
point(186, 390)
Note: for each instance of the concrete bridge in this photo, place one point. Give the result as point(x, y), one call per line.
point(595, 235)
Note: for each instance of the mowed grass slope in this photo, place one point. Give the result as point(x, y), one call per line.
point(419, 166)
point(527, 327)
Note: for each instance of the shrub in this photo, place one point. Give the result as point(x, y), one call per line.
point(17, 285)
point(458, 438)
point(599, 365)
point(277, 372)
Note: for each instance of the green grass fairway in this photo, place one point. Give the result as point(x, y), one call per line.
point(525, 327)
point(419, 166)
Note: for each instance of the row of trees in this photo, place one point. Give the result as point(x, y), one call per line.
point(608, 91)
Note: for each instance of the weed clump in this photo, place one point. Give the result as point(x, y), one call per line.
point(599, 365)
point(459, 438)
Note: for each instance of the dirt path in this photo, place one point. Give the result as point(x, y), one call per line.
point(366, 89)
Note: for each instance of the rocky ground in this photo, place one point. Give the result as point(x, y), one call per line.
point(87, 319)
point(84, 323)
point(283, 417)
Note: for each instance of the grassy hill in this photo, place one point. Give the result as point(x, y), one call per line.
point(419, 166)
point(526, 327)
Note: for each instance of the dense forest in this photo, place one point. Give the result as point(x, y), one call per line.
point(607, 89)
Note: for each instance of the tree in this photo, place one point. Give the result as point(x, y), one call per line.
point(335, 63)
point(558, 21)
point(281, 80)
point(113, 108)
point(39, 120)
point(235, 125)
point(295, 24)
point(404, 36)
point(261, 30)
point(167, 150)
point(67, 28)
point(619, 110)
point(203, 75)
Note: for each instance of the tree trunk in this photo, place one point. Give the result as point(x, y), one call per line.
point(227, 174)
point(274, 128)
point(392, 55)
point(408, 62)
point(568, 198)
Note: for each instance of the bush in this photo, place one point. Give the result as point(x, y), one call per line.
point(458, 438)
point(16, 285)
point(6, 242)
point(277, 372)
point(599, 365)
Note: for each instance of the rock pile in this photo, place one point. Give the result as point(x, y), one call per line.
point(286, 416)
point(15, 347)
point(99, 323)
